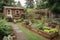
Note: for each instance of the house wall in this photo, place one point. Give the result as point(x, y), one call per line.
point(21, 11)
point(4, 12)
point(13, 11)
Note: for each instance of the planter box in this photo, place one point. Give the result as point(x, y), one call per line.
point(47, 35)
point(42, 33)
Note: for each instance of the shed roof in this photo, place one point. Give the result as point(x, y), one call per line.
point(12, 7)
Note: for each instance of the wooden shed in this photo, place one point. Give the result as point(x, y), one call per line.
point(12, 11)
point(42, 13)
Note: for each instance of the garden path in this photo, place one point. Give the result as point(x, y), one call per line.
point(19, 34)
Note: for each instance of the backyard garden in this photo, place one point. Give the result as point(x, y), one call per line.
point(6, 32)
point(33, 29)
point(30, 20)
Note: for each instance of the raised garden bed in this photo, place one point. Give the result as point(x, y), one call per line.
point(42, 33)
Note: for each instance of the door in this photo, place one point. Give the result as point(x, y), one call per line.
point(9, 13)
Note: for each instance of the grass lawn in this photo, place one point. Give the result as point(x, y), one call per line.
point(30, 35)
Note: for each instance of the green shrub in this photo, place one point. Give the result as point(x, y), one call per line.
point(46, 31)
point(39, 26)
point(26, 22)
point(51, 31)
point(5, 29)
point(44, 28)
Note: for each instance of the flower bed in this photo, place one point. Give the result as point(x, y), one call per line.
point(42, 33)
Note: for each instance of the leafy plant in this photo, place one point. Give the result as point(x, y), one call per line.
point(26, 22)
point(39, 26)
point(44, 28)
point(51, 31)
point(5, 29)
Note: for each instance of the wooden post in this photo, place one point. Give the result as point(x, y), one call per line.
point(59, 30)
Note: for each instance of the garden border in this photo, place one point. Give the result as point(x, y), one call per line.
point(40, 32)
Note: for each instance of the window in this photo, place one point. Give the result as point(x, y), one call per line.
point(17, 12)
point(8, 11)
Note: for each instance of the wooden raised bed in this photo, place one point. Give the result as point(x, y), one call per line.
point(42, 33)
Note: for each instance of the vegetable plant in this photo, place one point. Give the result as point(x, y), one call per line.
point(44, 28)
point(39, 26)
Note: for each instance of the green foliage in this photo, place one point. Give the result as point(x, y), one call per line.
point(26, 22)
point(39, 26)
point(29, 3)
point(42, 4)
point(45, 29)
point(53, 5)
point(30, 35)
point(51, 31)
point(29, 10)
point(19, 4)
point(5, 3)
point(5, 29)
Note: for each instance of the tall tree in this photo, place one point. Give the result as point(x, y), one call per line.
point(29, 3)
point(51, 4)
point(19, 4)
point(41, 4)
point(5, 3)
point(54, 5)
point(9, 2)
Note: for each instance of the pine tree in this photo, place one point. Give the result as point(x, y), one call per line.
point(19, 4)
point(29, 3)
